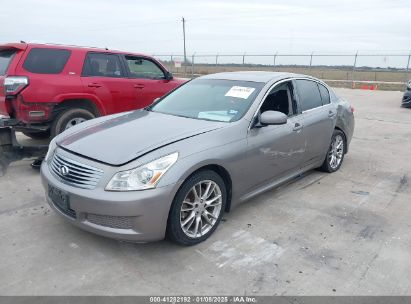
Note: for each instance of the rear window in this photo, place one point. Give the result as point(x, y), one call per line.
point(325, 95)
point(5, 58)
point(309, 94)
point(46, 61)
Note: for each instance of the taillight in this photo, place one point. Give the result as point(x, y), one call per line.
point(14, 84)
point(352, 109)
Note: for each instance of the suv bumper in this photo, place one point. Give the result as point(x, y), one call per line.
point(18, 125)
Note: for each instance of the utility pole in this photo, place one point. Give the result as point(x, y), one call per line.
point(184, 38)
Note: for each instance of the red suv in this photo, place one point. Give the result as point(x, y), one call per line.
point(45, 89)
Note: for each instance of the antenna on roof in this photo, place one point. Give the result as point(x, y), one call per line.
point(106, 48)
point(21, 41)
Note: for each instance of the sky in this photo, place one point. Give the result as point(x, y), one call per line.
point(214, 26)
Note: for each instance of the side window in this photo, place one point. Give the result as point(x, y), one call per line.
point(309, 94)
point(46, 61)
point(280, 99)
point(143, 68)
point(103, 65)
point(325, 95)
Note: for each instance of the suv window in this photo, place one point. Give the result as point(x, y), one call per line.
point(143, 68)
point(309, 94)
point(325, 95)
point(46, 61)
point(5, 59)
point(280, 99)
point(103, 65)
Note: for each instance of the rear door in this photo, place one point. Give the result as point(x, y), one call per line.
point(149, 79)
point(105, 76)
point(318, 118)
point(6, 57)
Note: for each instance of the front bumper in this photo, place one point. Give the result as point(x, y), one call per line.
point(136, 216)
point(406, 99)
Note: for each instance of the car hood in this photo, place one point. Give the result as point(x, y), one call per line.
point(121, 139)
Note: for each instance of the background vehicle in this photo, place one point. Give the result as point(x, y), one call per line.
point(406, 99)
point(176, 166)
point(45, 89)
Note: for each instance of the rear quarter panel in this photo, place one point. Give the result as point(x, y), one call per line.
point(46, 87)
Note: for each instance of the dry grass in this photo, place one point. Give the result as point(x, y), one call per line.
point(386, 80)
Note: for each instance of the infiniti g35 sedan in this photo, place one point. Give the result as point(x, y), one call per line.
point(173, 168)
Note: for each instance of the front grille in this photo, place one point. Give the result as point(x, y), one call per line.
point(74, 173)
point(120, 222)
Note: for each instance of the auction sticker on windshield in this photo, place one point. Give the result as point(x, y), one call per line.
point(240, 92)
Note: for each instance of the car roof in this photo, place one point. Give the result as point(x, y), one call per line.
point(255, 76)
point(23, 46)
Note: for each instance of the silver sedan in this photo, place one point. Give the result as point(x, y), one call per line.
point(173, 168)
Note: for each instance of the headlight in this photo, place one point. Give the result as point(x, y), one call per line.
point(144, 177)
point(50, 151)
point(409, 84)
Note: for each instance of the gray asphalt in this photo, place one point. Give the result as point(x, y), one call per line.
point(347, 233)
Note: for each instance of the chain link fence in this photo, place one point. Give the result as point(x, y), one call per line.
point(389, 71)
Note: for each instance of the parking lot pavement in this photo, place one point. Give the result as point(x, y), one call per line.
point(323, 234)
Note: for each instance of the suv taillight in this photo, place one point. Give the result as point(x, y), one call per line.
point(14, 84)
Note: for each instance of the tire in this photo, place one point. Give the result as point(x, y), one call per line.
point(177, 216)
point(38, 135)
point(328, 164)
point(69, 118)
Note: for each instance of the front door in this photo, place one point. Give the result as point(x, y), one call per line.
point(276, 150)
point(148, 78)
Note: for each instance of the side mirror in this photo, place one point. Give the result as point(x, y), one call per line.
point(273, 118)
point(168, 75)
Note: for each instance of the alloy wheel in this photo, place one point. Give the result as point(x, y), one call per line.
point(201, 208)
point(73, 122)
point(336, 152)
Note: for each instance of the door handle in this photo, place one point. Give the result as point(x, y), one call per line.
point(139, 86)
point(331, 113)
point(94, 85)
point(297, 127)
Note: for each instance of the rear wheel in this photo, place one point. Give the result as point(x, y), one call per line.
point(335, 153)
point(197, 208)
point(68, 119)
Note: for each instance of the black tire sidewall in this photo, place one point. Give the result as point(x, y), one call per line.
point(59, 124)
point(174, 230)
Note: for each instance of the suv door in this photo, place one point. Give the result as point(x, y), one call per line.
point(105, 76)
point(149, 79)
point(276, 150)
point(318, 117)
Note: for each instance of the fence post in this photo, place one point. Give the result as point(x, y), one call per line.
point(408, 69)
point(243, 58)
point(192, 65)
point(353, 69)
point(172, 63)
point(216, 60)
point(275, 57)
point(311, 59)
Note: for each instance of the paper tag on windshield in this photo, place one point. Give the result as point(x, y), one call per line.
point(240, 92)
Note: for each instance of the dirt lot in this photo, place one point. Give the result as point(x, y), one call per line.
point(324, 234)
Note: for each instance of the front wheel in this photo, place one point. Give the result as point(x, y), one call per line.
point(335, 153)
point(68, 119)
point(197, 208)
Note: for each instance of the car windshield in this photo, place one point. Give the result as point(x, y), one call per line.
point(210, 99)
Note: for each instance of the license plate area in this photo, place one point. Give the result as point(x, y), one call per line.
point(61, 200)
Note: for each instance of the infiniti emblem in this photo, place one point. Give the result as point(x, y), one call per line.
point(64, 170)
